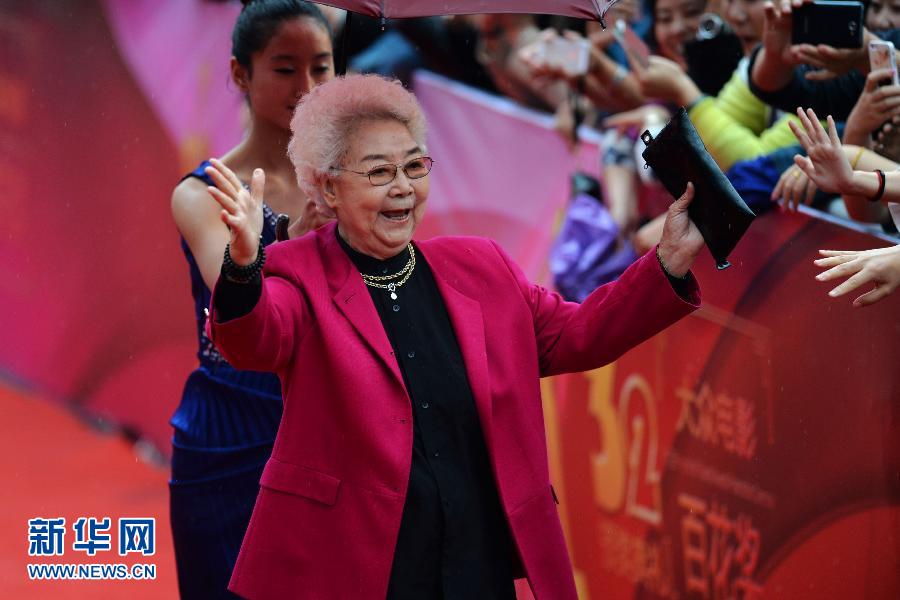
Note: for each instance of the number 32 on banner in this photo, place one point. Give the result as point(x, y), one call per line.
point(617, 472)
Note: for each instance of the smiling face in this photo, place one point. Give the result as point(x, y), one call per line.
point(377, 220)
point(675, 23)
point(297, 58)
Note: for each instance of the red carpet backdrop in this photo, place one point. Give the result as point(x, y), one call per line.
point(751, 451)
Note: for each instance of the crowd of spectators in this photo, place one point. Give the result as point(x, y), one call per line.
point(731, 64)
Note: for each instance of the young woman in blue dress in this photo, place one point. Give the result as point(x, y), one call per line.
point(226, 422)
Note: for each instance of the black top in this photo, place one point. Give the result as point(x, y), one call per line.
point(454, 541)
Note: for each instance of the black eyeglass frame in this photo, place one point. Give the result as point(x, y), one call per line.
point(395, 167)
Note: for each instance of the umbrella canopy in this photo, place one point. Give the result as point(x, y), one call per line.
point(400, 9)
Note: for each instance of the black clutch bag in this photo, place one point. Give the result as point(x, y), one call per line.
point(677, 155)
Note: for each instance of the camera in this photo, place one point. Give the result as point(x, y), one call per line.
point(713, 54)
point(711, 26)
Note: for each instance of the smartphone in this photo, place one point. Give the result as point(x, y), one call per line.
point(572, 56)
point(881, 56)
point(554, 50)
point(633, 45)
point(836, 24)
point(281, 227)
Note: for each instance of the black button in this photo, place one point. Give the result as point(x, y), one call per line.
point(396, 308)
point(425, 405)
point(411, 354)
point(436, 454)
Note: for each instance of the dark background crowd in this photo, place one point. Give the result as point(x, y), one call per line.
point(730, 63)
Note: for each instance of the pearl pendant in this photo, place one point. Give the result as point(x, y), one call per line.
point(391, 288)
point(393, 295)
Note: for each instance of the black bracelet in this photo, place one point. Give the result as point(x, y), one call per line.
point(882, 181)
point(246, 274)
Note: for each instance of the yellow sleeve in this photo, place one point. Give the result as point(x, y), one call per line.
point(733, 125)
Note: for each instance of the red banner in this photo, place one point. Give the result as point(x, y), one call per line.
point(750, 451)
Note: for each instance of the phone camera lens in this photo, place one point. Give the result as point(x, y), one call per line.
point(711, 26)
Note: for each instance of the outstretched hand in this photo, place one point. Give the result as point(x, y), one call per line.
point(681, 240)
point(793, 189)
point(880, 266)
point(825, 163)
point(242, 209)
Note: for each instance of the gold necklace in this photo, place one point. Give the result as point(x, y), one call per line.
point(405, 272)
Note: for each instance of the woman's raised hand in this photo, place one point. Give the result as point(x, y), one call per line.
point(825, 163)
point(242, 209)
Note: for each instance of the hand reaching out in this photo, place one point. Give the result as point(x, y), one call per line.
point(794, 187)
point(880, 266)
point(825, 164)
point(241, 209)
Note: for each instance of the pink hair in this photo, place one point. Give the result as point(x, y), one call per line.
point(325, 119)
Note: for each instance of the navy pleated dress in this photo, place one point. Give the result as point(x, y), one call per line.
point(224, 429)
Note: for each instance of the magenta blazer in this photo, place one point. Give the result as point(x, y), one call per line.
point(328, 512)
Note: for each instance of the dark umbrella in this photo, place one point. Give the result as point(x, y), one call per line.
point(403, 9)
point(400, 9)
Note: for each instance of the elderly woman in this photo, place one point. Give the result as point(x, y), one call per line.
point(411, 460)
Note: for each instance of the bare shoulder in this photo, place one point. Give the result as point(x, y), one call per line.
point(190, 193)
point(193, 206)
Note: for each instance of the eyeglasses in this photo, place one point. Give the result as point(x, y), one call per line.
point(416, 168)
